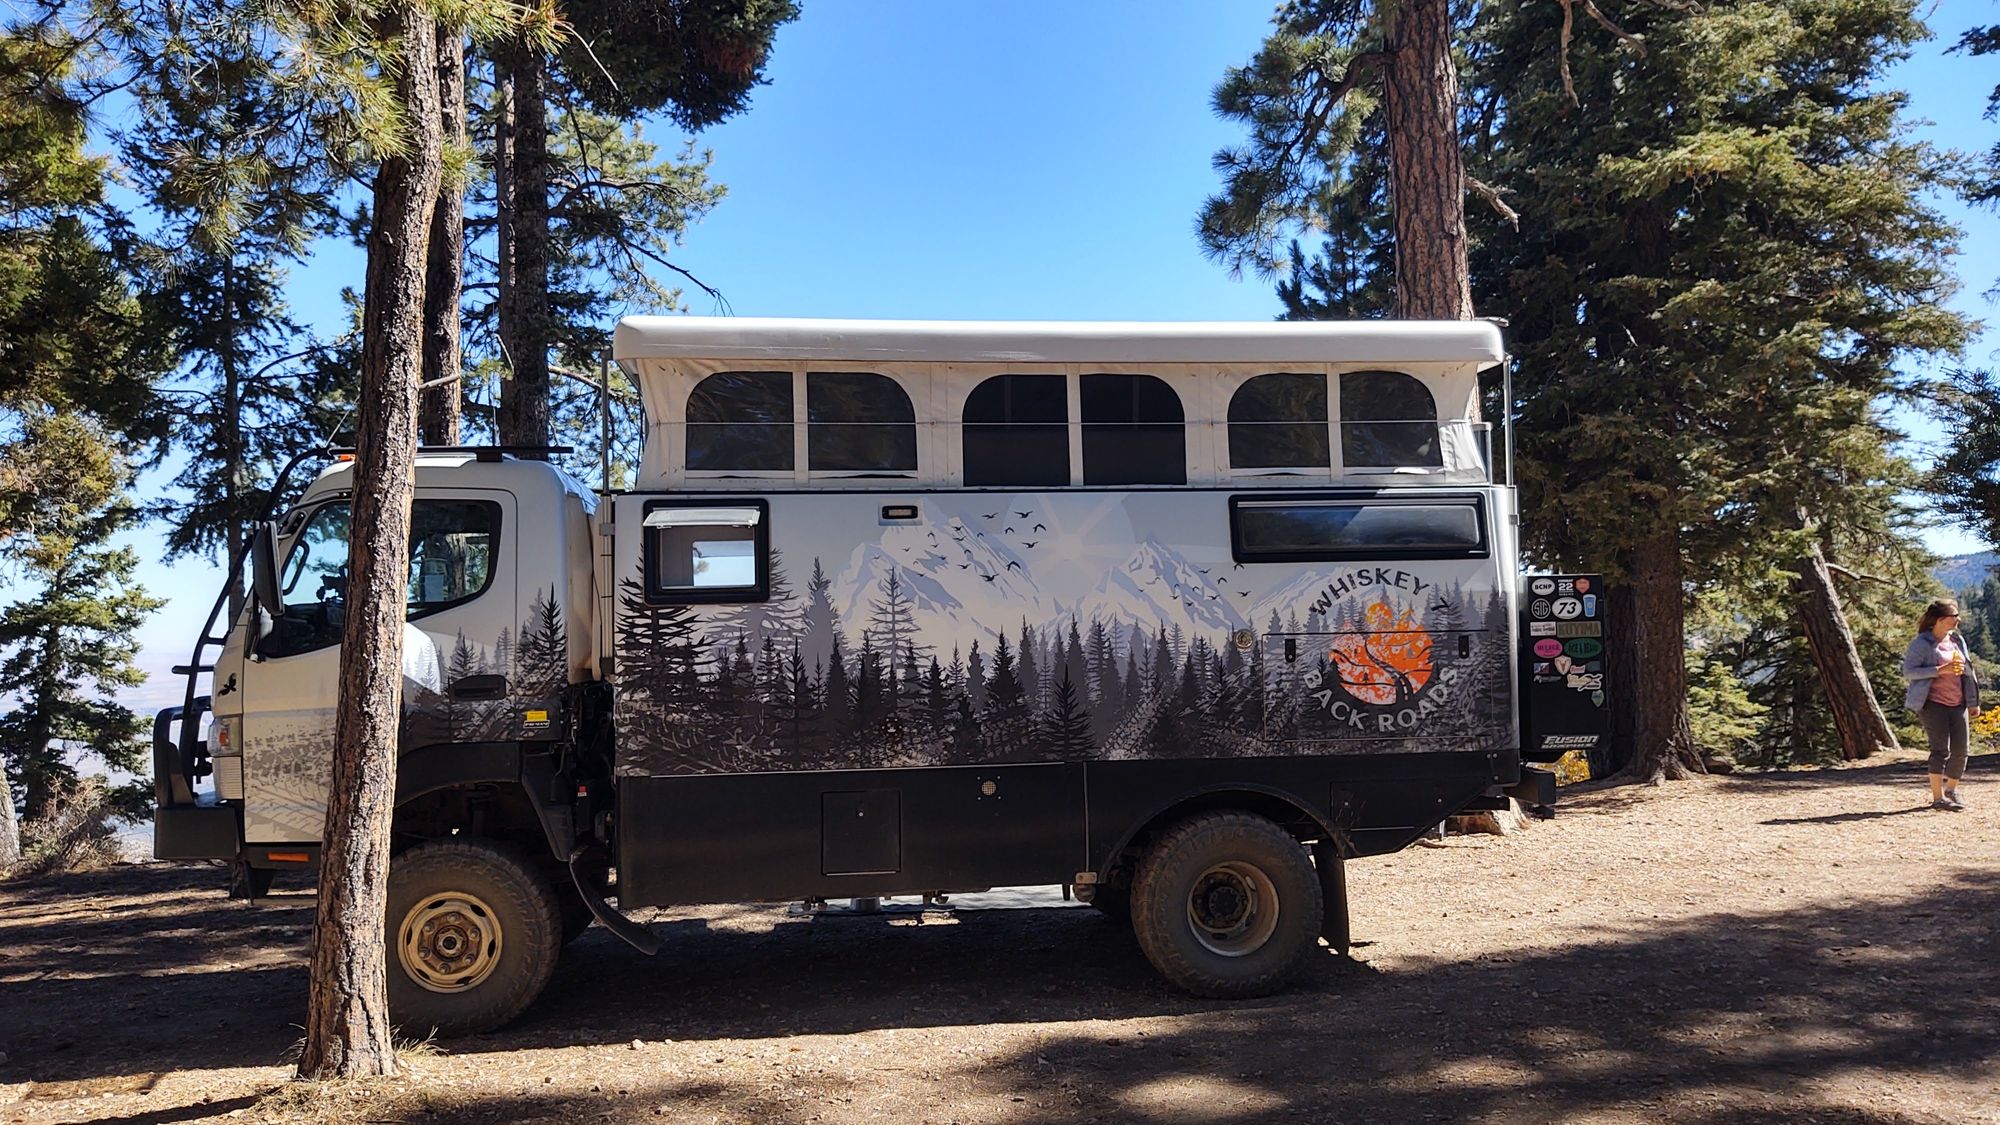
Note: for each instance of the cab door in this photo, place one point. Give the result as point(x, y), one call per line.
point(457, 649)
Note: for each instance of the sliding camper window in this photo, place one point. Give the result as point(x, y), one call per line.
point(1313, 529)
point(1133, 430)
point(1016, 431)
point(860, 423)
point(1388, 420)
point(703, 552)
point(1278, 422)
point(741, 422)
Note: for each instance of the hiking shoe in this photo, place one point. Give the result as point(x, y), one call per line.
point(1952, 801)
point(1941, 803)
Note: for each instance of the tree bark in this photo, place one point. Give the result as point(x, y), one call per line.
point(1857, 714)
point(524, 318)
point(10, 827)
point(503, 226)
point(1663, 739)
point(1426, 166)
point(438, 410)
point(348, 1034)
point(229, 439)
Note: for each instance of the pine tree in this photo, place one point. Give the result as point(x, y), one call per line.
point(544, 652)
point(975, 677)
point(1065, 732)
point(66, 647)
point(1030, 674)
point(1748, 282)
point(839, 693)
point(822, 623)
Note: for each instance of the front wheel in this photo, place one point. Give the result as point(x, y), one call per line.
point(1226, 905)
point(473, 934)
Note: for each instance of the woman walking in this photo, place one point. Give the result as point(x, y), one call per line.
point(1944, 692)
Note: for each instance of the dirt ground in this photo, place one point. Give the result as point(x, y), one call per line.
point(1813, 946)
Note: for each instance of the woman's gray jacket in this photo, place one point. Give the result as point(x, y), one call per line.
point(1920, 667)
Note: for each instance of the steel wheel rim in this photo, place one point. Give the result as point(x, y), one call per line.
point(1232, 909)
point(449, 942)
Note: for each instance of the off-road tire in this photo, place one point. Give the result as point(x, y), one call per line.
point(1163, 913)
point(522, 905)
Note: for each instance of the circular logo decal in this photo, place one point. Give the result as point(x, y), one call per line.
point(1548, 648)
point(1583, 648)
point(1540, 608)
point(1542, 587)
point(1567, 609)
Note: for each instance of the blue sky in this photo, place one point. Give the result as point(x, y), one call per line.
point(1025, 160)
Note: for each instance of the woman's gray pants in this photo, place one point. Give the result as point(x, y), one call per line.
point(1951, 737)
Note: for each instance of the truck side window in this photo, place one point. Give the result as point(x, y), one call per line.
point(1278, 421)
point(454, 550)
point(1267, 529)
point(707, 552)
point(1387, 420)
point(1132, 430)
point(741, 421)
point(859, 422)
point(1015, 430)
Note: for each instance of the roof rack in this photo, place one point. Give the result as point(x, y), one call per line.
point(479, 452)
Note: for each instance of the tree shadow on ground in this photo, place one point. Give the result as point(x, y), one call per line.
point(1722, 1018)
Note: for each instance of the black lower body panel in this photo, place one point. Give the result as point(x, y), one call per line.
point(197, 832)
point(857, 833)
point(847, 833)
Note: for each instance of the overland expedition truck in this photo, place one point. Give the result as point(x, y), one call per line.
point(1179, 616)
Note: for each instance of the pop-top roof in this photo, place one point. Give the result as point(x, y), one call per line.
point(1056, 341)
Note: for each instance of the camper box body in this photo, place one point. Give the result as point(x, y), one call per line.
point(888, 595)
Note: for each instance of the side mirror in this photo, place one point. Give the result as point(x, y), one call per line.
point(264, 570)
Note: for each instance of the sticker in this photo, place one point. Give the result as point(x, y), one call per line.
point(1541, 628)
point(1548, 648)
point(1584, 648)
point(1590, 605)
point(1541, 667)
point(1579, 629)
point(1583, 585)
point(536, 718)
point(1583, 682)
point(1548, 679)
point(1597, 697)
point(1540, 608)
point(1566, 587)
point(1568, 741)
point(1567, 609)
point(1542, 587)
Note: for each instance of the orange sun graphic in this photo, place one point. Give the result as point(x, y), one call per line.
point(1389, 662)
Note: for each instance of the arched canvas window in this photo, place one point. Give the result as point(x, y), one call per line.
point(1016, 431)
point(1132, 431)
point(1278, 421)
point(741, 421)
point(1387, 420)
point(859, 422)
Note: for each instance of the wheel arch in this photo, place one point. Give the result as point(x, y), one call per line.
point(1288, 810)
point(483, 789)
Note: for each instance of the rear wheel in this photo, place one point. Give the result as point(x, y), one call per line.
point(1226, 905)
point(474, 929)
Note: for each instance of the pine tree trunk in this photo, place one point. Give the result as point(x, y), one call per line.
point(229, 438)
point(524, 327)
point(10, 827)
point(438, 410)
point(1426, 166)
point(347, 1026)
point(1664, 748)
point(1857, 714)
point(1621, 670)
point(503, 225)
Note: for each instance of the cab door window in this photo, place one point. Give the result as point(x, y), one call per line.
point(454, 551)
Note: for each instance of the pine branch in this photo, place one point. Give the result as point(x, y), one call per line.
point(1492, 197)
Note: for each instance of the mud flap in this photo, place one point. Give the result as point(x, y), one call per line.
point(1332, 868)
point(632, 933)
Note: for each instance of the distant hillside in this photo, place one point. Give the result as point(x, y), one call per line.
point(1962, 572)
